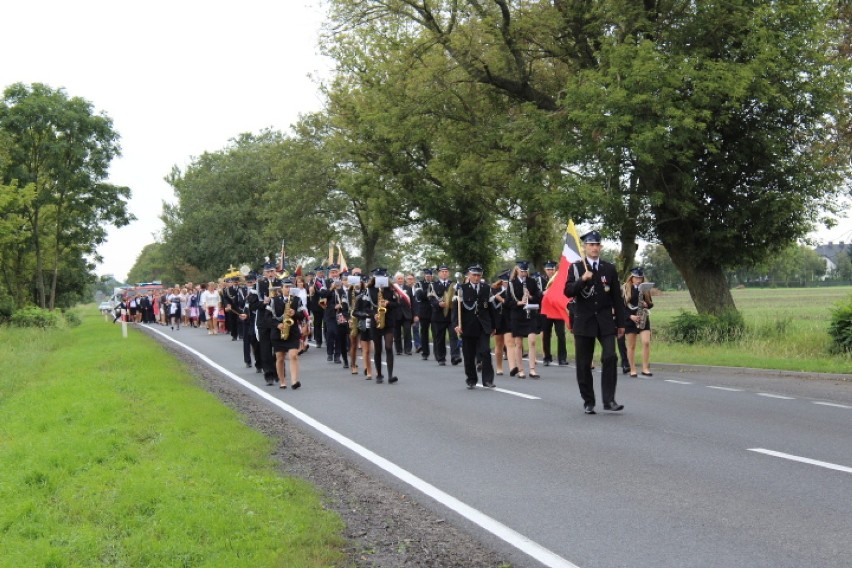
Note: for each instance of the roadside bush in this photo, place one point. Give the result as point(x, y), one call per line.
point(72, 319)
point(840, 328)
point(35, 317)
point(704, 328)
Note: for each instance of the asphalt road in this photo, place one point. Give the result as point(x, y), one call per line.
point(703, 468)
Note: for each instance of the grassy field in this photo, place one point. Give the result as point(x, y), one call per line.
point(786, 330)
point(112, 455)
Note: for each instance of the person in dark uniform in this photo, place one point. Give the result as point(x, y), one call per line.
point(502, 331)
point(637, 306)
point(328, 297)
point(440, 297)
point(248, 317)
point(550, 325)
point(286, 314)
point(593, 283)
point(318, 306)
point(259, 303)
point(424, 311)
point(383, 297)
point(364, 310)
point(402, 330)
point(473, 320)
point(522, 293)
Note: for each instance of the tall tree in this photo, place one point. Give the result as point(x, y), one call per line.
point(711, 127)
point(60, 148)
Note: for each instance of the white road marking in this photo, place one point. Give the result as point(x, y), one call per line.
point(770, 395)
point(678, 382)
point(495, 527)
point(725, 389)
point(513, 393)
point(791, 457)
point(834, 404)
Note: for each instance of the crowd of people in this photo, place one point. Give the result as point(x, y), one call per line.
point(341, 312)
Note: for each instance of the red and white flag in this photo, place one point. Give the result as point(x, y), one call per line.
point(555, 304)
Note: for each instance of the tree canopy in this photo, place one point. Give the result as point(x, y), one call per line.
point(54, 159)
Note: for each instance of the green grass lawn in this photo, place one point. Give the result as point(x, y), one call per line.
point(112, 455)
point(787, 329)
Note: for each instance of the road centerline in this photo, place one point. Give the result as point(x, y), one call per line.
point(791, 457)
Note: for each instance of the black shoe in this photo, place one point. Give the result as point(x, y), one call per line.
point(269, 382)
point(514, 371)
point(547, 362)
point(232, 339)
point(563, 363)
point(380, 379)
point(442, 363)
point(489, 385)
point(625, 370)
point(589, 408)
point(613, 406)
point(456, 361)
point(425, 357)
point(258, 370)
point(248, 365)
point(296, 385)
point(392, 380)
point(337, 361)
point(471, 385)
point(399, 352)
point(648, 374)
point(419, 349)
point(408, 353)
point(329, 358)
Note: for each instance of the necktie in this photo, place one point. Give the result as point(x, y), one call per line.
point(476, 289)
point(595, 266)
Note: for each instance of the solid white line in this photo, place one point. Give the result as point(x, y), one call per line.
point(678, 382)
point(791, 457)
point(508, 535)
point(770, 395)
point(725, 389)
point(835, 405)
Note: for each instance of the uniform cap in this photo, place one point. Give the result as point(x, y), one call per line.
point(475, 269)
point(591, 237)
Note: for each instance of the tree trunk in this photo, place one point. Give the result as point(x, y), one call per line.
point(707, 284)
point(42, 302)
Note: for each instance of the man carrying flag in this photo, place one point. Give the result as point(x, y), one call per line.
point(593, 283)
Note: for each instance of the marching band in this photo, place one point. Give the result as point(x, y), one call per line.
point(276, 316)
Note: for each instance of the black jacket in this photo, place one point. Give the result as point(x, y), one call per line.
point(477, 312)
point(598, 308)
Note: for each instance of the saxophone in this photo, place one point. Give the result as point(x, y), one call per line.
point(381, 312)
point(643, 318)
point(287, 322)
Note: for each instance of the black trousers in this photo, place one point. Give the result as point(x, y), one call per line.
point(440, 329)
point(267, 358)
point(584, 350)
point(331, 347)
point(318, 328)
point(425, 343)
point(341, 343)
point(561, 350)
point(477, 349)
point(232, 322)
point(383, 338)
point(251, 346)
point(622, 352)
point(402, 336)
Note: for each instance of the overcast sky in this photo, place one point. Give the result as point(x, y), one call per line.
point(177, 78)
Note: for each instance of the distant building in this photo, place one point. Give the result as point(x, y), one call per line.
point(830, 253)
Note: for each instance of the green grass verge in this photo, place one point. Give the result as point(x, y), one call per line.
point(112, 455)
